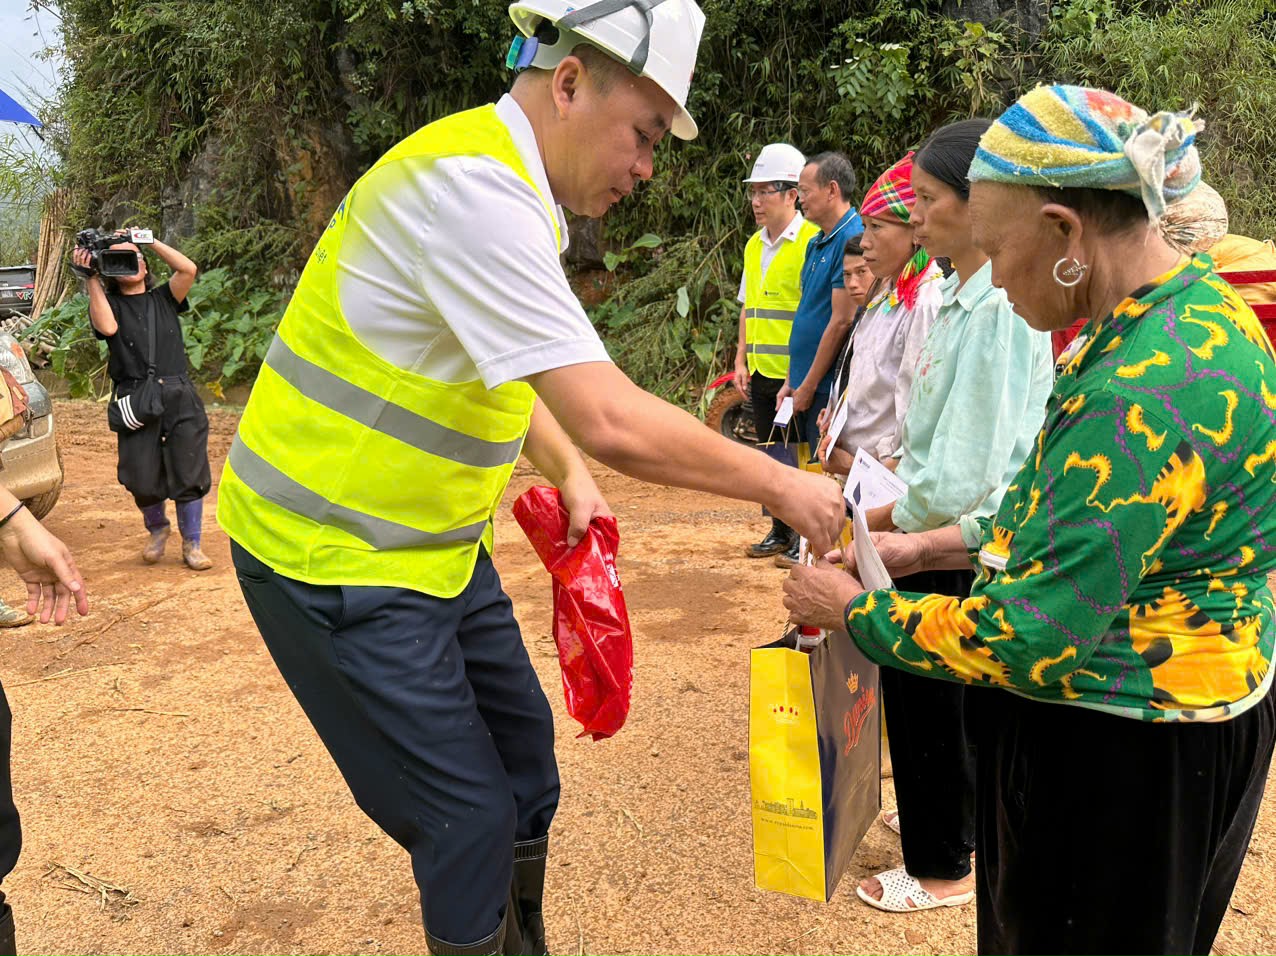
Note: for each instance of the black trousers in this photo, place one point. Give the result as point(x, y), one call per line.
point(10, 827)
point(168, 458)
point(762, 394)
point(434, 716)
point(1104, 834)
point(932, 756)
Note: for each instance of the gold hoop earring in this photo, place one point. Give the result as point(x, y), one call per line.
point(1069, 275)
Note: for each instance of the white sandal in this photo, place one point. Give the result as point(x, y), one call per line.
point(902, 893)
point(893, 823)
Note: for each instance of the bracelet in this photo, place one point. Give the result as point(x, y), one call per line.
point(5, 520)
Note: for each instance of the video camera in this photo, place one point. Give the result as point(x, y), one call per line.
point(107, 261)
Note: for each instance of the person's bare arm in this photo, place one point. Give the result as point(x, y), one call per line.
point(827, 351)
point(184, 270)
point(742, 359)
point(100, 314)
point(54, 584)
point(622, 426)
point(552, 453)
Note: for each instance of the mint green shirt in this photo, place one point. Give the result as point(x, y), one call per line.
point(978, 400)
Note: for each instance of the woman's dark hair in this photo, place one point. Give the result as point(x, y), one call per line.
point(948, 153)
point(1107, 210)
point(853, 247)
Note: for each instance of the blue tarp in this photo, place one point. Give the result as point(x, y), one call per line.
point(12, 112)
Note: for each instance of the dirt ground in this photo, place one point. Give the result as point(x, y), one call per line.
point(158, 754)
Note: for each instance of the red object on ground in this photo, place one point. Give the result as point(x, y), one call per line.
point(591, 622)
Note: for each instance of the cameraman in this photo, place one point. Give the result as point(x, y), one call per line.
point(166, 458)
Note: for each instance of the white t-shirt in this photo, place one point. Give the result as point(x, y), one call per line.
point(771, 246)
point(450, 268)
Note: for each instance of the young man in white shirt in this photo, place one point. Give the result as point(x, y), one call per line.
point(432, 331)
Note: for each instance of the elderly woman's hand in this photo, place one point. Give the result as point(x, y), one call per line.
point(902, 554)
point(881, 518)
point(818, 595)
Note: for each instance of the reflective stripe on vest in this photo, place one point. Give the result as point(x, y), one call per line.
point(771, 301)
point(273, 485)
point(349, 470)
point(368, 409)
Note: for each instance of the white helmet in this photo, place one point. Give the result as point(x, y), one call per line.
point(777, 163)
point(654, 38)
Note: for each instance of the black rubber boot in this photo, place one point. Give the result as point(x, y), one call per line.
point(8, 941)
point(779, 539)
point(493, 945)
point(528, 891)
point(789, 557)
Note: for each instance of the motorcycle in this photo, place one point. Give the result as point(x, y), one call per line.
point(730, 413)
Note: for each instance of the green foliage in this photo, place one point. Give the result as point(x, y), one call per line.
point(647, 241)
point(246, 122)
point(228, 328)
point(1218, 55)
point(666, 328)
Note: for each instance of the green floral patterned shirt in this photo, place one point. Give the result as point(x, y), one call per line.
point(1126, 569)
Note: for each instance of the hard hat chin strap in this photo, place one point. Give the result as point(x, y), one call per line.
point(605, 8)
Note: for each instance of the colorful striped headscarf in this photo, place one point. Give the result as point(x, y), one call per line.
point(1075, 137)
point(892, 192)
point(892, 195)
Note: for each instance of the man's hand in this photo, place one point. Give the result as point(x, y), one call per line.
point(817, 596)
point(44, 563)
point(742, 379)
point(785, 391)
point(803, 397)
point(584, 502)
point(822, 419)
point(822, 453)
point(812, 505)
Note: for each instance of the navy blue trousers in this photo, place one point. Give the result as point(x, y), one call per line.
point(434, 716)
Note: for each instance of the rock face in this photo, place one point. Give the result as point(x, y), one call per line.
point(1029, 14)
point(585, 249)
point(308, 172)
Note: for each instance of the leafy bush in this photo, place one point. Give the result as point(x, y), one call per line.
point(273, 109)
point(228, 328)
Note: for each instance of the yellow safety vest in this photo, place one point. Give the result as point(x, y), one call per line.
point(771, 301)
point(349, 470)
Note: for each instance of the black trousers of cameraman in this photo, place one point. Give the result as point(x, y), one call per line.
point(168, 458)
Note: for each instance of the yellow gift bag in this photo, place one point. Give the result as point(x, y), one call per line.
point(814, 762)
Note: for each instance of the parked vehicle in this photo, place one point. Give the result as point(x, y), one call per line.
point(729, 412)
point(32, 464)
point(17, 289)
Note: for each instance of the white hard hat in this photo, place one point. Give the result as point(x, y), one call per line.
point(654, 38)
point(777, 163)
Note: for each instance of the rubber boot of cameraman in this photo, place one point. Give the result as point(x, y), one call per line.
point(166, 457)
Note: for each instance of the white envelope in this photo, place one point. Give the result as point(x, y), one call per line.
point(870, 570)
point(784, 414)
point(871, 484)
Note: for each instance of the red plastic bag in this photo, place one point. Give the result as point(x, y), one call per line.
point(591, 623)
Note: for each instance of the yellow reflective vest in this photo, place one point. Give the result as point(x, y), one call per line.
point(349, 470)
point(771, 301)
